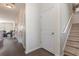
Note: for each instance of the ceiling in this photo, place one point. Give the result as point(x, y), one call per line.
point(11, 13)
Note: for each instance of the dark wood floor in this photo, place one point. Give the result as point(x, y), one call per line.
point(10, 47)
point(40, 52)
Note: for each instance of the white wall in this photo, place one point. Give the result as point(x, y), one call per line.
point(32, 27)
point(21, 26)
point(50, 23)
point(60, 19)
point(65, 15)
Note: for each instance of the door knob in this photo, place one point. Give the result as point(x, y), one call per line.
point(53, 33)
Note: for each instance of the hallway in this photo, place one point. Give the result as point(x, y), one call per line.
point(11, 47)
point(12, 29)
point(72, 45)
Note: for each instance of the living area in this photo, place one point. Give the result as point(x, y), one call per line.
point(12, 29)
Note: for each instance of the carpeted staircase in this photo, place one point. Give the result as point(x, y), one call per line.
point(72, 45)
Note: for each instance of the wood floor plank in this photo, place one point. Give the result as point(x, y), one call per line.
point(12, 48)
point(40, 52)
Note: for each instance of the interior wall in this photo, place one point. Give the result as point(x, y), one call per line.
point(66, 12)
point(63, 13)
point(32, 27)
point(20, 26)
point(50, 23)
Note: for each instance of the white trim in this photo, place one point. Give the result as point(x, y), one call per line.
point(26, 52)
point(66, 38)
point(67, 32)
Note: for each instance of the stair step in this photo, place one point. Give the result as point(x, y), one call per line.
point(74, 31)
point(73, 35)
point(74, 26)
point(68, 54)
point(73, 38)
point(77, 27)
point(72, 50)
point(73, 44)
point(77, 33)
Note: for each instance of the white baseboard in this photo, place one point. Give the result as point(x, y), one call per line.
point(31, 50)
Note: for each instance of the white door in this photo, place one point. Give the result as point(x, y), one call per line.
point(48, 28)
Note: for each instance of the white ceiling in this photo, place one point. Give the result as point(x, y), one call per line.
point(9, 13)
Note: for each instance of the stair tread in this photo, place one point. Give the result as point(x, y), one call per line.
point(72, 50)
point(73, 38)
point(75, 26)
point(77, 33)
point(68, 54)
point(74, 32)
point(74, 29)
point(73, 44)
point(73, 35)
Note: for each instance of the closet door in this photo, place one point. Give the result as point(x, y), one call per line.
point(48, 28)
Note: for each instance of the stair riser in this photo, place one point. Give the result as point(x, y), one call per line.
point(72, 51)
point(77, 47)
point(70, 54)
point(74, 40)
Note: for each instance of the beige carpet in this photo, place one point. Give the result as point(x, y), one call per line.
point(72, 46)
